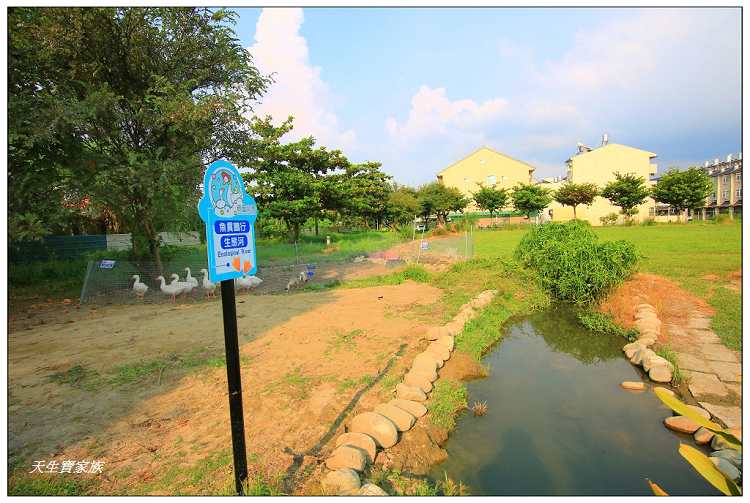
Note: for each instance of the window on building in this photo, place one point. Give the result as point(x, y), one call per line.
point(504, 178)
point(491, 180)
point(726, 195)
point(725, 179)
point(738, 193)
point(738, 177)
point(713, 197)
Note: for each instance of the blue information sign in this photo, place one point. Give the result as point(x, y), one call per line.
point(229, 213)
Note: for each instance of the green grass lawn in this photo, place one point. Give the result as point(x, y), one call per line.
point(682, 252)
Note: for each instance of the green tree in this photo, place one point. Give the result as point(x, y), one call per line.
point(491, 199)
point(137, 101)
point(530, 198)
point(575, 194)
point(364, 192)
point(403, 205)
point(627, 191)
point(683, 190)
point(439, 200)
point(289, 179)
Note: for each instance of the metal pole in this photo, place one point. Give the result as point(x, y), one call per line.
point(234, 381)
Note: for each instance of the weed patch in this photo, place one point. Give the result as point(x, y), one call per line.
point(446, 401)
point(603, 323)
point(671, 356)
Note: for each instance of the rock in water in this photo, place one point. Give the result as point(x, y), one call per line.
point(718, 443)
point(631, 348)
point(703, 436)
point(341, 481)
point(728, 469)
point(681, 423)
point(402, 419)
point(418, 381)
point(734, 457)
point(660, 374)
point(371, 490)
point(416, 409)
point(380, 428)
point(347, 456)
point(701, 411)
point(634, 385)
point(410, 393)
point(360, 440)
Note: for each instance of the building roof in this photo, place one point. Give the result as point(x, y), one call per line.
point(651, 155)
point(532, 168)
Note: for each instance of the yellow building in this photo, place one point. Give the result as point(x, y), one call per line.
point(488, 167)
point(599, 165)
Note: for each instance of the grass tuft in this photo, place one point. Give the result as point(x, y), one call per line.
point(446, 401)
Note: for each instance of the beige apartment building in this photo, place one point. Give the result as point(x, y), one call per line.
point(485, 167)
point(598, 165)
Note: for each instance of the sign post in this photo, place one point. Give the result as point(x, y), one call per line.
point(229, 214)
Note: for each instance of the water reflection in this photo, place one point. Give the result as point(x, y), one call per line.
point(558, 422)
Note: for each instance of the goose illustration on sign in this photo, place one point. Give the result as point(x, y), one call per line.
point(229, 213)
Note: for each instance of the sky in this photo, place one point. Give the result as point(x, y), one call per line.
point(420, 88)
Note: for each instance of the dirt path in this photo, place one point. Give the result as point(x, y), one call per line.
point(307, 360)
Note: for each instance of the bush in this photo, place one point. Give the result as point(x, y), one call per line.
point(572, 264)
point(610, 219)
point(648, 222)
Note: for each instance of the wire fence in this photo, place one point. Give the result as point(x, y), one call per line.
point(112, 281)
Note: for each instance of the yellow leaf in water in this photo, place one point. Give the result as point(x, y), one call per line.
point(708, 471)
point(658, 491)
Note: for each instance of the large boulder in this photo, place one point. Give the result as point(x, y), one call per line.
point(418, 381)
point(640, 355)
point(430, 375)
point(446, 341)
point(341, 481)
point(682, 424)
point(410, 393)
point(347, 456)
point(416, 409)
point(370, 489)
point(719, 443)
point(631, 348)
point(426, 361)
point(402, 419)
point(377, 426)
point(435, 333)
point(654, 360)
point(439, 351)
point(361, 441)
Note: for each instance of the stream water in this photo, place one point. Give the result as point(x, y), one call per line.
point(558, 422)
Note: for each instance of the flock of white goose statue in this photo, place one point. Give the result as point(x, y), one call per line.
point(177, 287)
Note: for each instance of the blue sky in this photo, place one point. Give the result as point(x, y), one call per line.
point(418, 89)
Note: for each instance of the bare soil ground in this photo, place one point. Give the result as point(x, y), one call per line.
point(143, 387)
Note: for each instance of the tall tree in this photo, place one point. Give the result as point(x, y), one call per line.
point(138, 100)
point(575, 194)
point(683, 190)
point(365, 191)
point(491, 199)
point(439, 200)
point(627, 191)
point(289, 179)
point(530, 198)
point(403, 205)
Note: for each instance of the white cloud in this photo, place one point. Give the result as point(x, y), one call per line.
point(432, 113)
point(298, 89)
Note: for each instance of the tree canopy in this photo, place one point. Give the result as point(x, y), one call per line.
point(530, 198)
point(491, 199)
point(403, 205)
point(439, 200)
point(626, 191)
point(575, 194)
point(683, 190)
point(126, 105)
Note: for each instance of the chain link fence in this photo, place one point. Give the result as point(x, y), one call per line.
point(111, 281)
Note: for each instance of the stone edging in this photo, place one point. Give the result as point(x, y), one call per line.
point(379, 429)
point(639, 352)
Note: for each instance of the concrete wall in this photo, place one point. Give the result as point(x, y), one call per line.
point(123, 242)
point(488, 167)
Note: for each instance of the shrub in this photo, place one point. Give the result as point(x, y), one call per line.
point(648, 222)
point(610, 219)
point(572, 264)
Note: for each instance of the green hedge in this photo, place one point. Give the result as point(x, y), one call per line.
point(572, 263)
